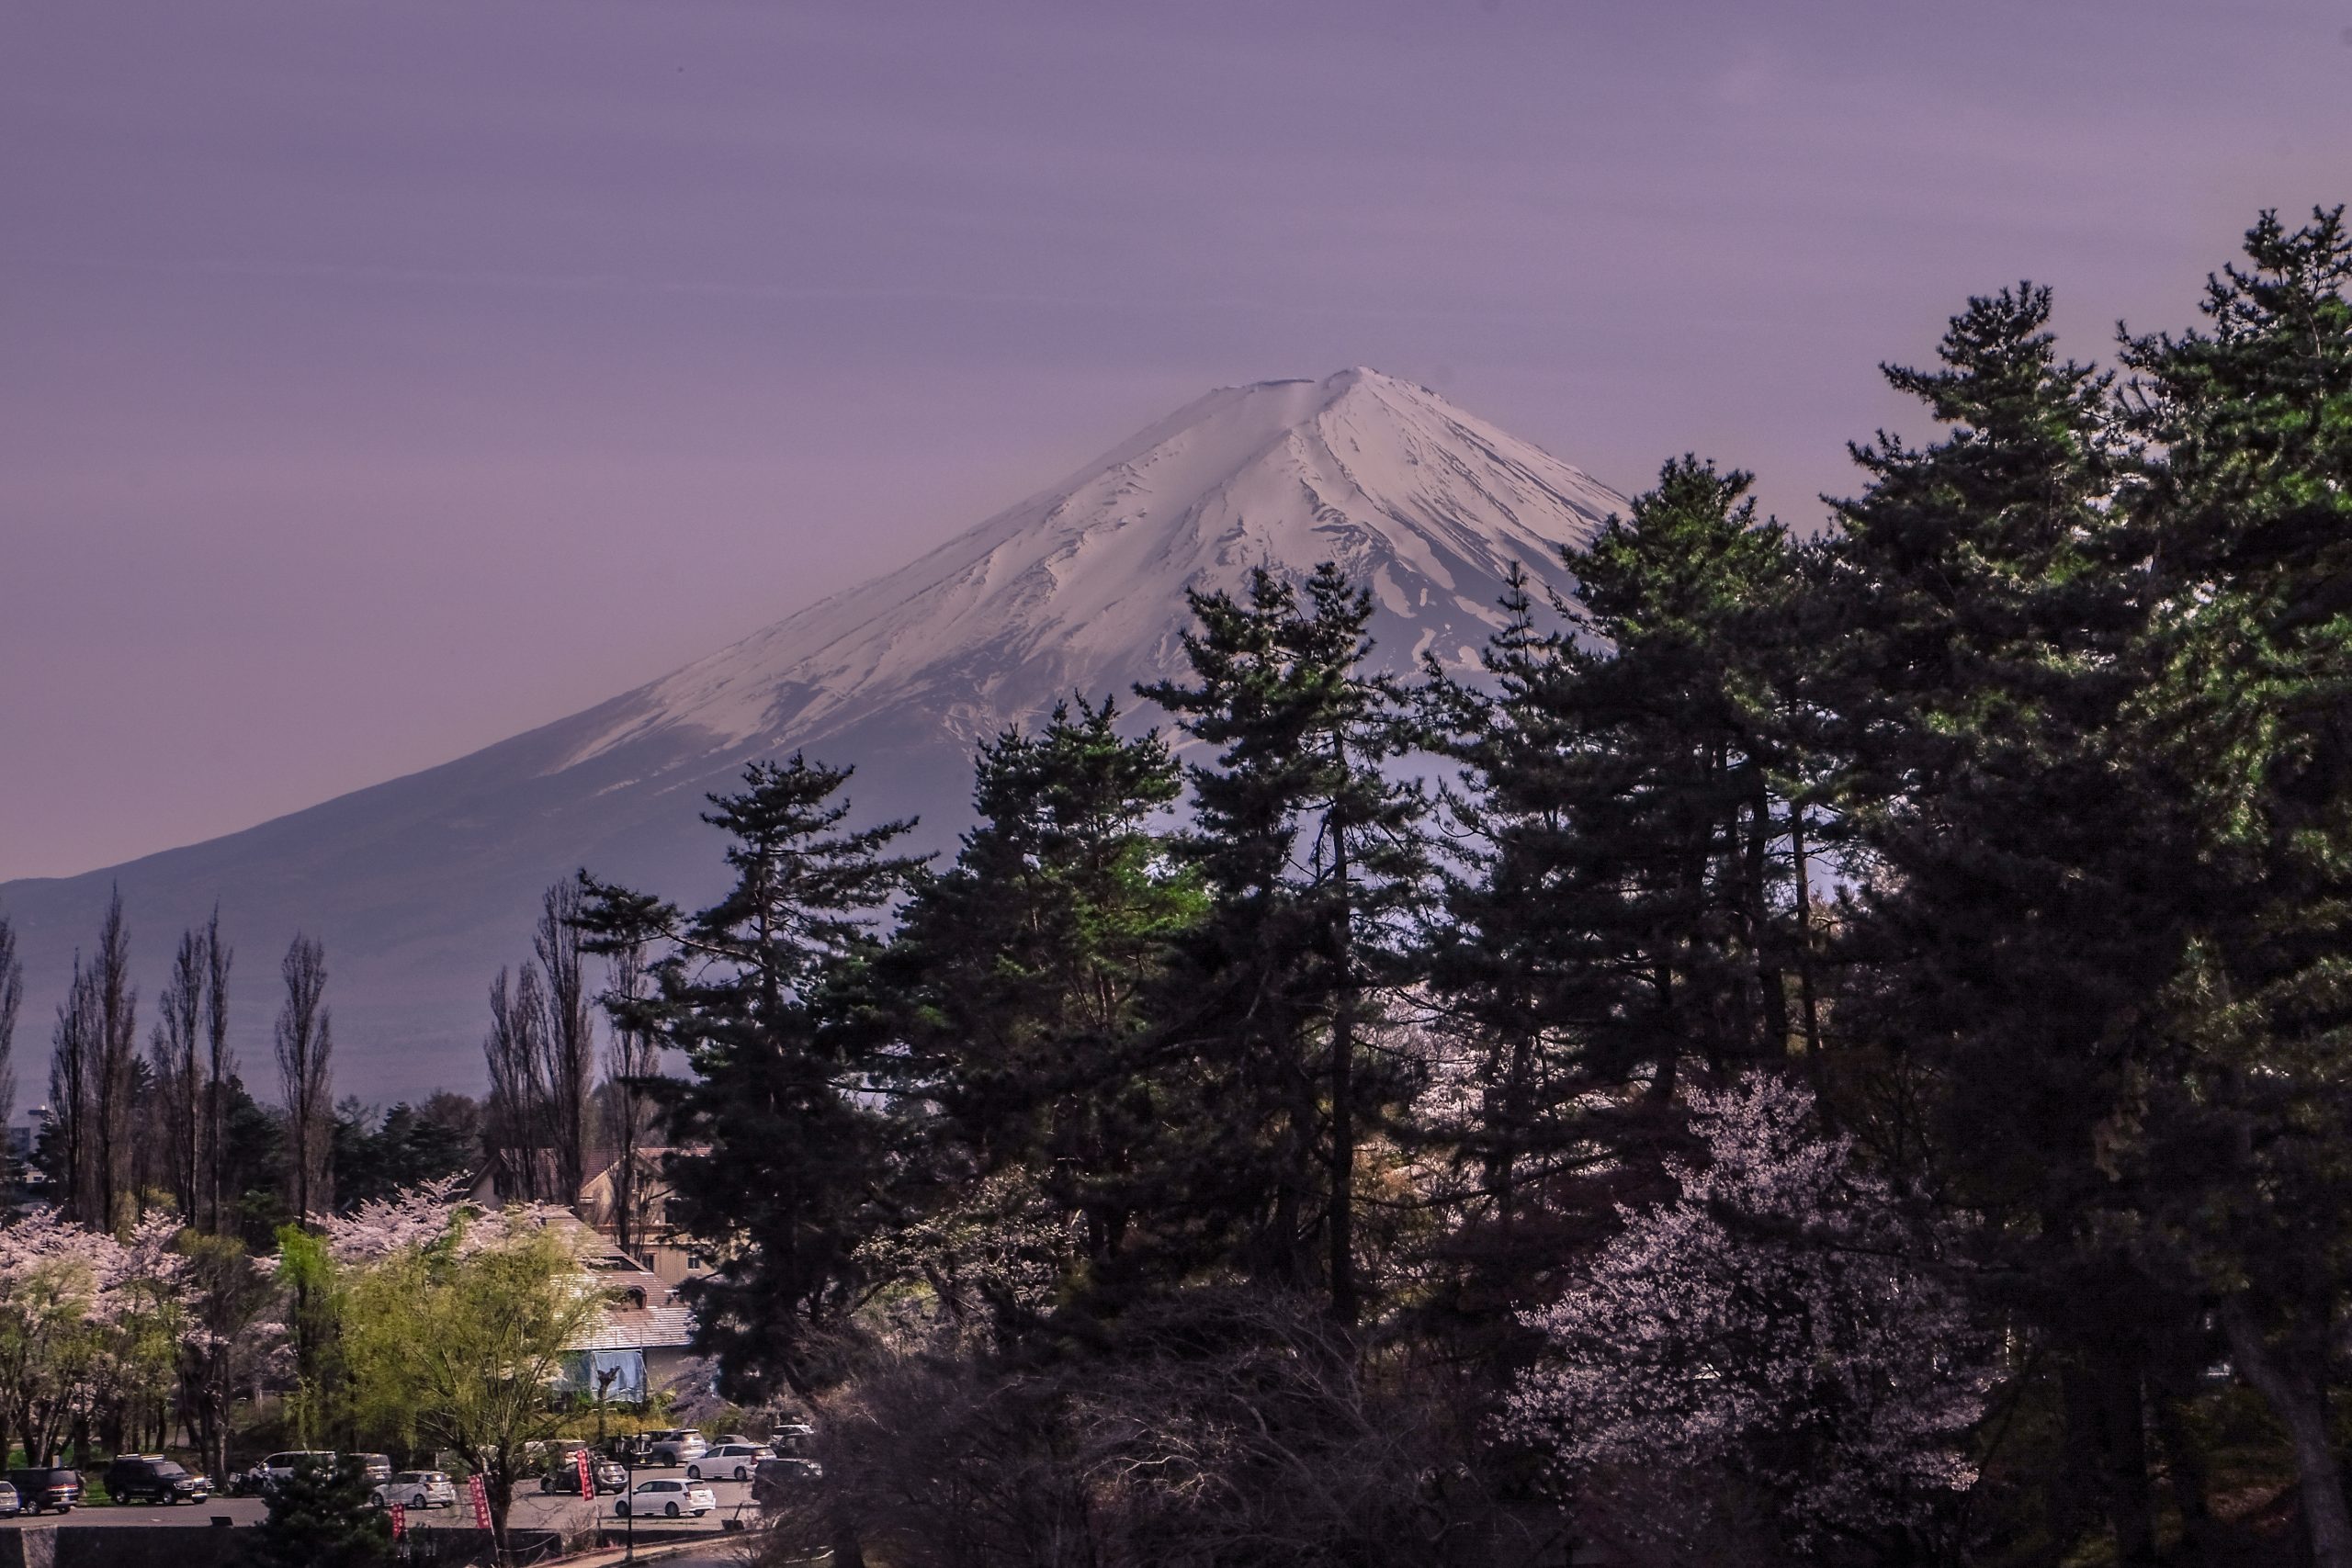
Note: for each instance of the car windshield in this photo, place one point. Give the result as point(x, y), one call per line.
point(169, 1469)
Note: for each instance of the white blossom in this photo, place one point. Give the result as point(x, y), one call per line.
point(1779, 1322)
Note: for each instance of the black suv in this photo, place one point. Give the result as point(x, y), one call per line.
point(132, 1477)
point(39, 1490)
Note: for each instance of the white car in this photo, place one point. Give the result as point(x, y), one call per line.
point(736, 1460)
point(418, 1489)
point(668, 1498)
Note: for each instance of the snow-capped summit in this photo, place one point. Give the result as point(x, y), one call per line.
point(1081, 586)
point(422, 886)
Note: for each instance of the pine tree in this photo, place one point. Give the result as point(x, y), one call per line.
point(1624, 905)
point(1313, 860)
point(761, 993)
point(2246, 725)
point(1028, 963)
point(2008, 936)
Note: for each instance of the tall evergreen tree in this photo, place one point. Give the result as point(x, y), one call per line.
point(1630, 861)
point(1314, 859)
point(1029, 961)
point(2247, 721)
point(759, 991)
point(1983, 593)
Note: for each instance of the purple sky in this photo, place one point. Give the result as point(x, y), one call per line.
point(377, 381)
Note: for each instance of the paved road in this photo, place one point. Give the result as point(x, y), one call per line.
point(532, 1510)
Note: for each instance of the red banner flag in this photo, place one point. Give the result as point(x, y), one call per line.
point(482, 1501)
point(587, 1472)
point(400, 1521)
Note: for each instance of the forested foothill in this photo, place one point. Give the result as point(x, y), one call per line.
point(1830, 1049)
point(1841, 1060)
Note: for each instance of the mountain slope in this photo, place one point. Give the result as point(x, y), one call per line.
point(423, 886)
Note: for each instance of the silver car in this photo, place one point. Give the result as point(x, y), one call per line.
point(668, 1498)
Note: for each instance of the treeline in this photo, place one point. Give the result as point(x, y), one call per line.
point(1848, 1066)
point(172, 1129)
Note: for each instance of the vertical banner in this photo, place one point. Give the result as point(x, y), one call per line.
point(400, 1521)
point(587, 1474)
point(482, 1501)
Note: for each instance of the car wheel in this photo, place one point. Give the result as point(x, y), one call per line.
point(671, 1510)
point(545, 1485)
point(742, 1474)
point(420, 1501)
point(621, 1508)
point(693, 1472)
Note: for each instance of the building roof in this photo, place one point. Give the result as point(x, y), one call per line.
point(628, 1328)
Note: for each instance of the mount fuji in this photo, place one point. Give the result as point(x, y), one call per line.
point(422, 886)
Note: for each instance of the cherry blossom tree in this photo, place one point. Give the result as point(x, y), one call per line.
point(1776, 1342)
point(85, 1321)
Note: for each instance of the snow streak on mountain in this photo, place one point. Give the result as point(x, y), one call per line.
point(1084, 584)
point(422, 886)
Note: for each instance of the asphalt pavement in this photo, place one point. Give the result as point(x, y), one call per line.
point(533, 1510)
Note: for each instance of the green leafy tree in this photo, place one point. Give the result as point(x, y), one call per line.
point(764, 993)
point(1314, 861)
point(323, 1517)
point(454, 1329)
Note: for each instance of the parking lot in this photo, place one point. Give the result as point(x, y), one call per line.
point(533, 1510)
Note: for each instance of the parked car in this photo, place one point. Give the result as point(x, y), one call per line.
point(732, 1460)
point(792, 1440)
point(630, 1449)
point(9, 1506)
point(133, 1478)
point(563, 1475)
point(377, 1467)
point(42, 1488)
point(279, 1467)
point(668, 1498)
point(418, 1489)
point(780, 1483)
point(678, 1446)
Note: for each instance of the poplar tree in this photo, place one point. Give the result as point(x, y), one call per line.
point(305, 1049)
point(12, 1002)
point(1313, 860)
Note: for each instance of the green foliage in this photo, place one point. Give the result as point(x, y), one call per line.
point(1025, 969)
point(763, 992)
point(323, 1517)
point(1315, 862)
point(1628, 898)
point(454, 1344)
point(409, 1146)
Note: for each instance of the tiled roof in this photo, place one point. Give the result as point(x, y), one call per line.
point(628, 1329)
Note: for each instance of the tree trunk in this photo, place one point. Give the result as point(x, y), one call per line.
point(2291, 1385)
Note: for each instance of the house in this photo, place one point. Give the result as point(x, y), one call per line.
point(640, 1344)
point(657, 1242)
